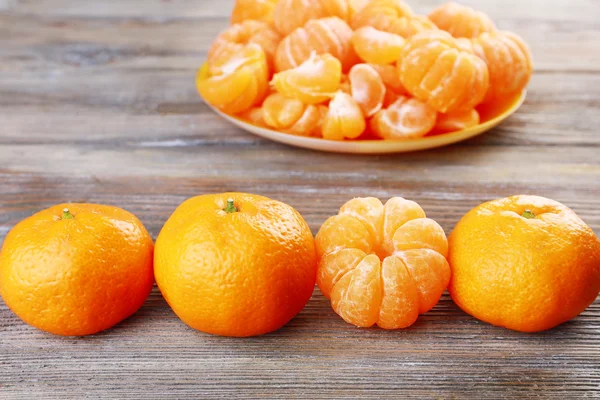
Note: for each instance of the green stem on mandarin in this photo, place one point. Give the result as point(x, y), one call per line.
point(67, 214)
point(528, 214)
point(230, 207)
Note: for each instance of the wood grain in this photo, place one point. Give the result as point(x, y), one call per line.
point(97, 104)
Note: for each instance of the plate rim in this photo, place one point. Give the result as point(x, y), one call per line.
point(374, 146)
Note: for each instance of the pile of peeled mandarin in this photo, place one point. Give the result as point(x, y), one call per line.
point(360, 69)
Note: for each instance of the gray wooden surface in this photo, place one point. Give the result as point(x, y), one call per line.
point(97, 104)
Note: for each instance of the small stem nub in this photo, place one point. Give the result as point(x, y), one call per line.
point(528, 214)
point(67, 214)
point(230, 207)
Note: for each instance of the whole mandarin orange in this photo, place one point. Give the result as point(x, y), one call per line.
point(76, 269)
point(526, 263)
point(235, 264)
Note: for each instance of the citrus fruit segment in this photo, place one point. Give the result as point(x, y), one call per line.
point(367, 88)
point(235, 81)
point(509, 63)
point(344, 119)
point(259, 10)
point(248, 31)
point(292, 14)
point(356, 297)
point(400, 301)
point(393, 16)
point(291, 115)
point(235, 264)
point(334, 265)
point(435, 70)
point(461, 21)
point(344, 232)
point(397, 212)
point(76, 269)
point(382, 264)
point(281, 112)
point(406, 118)
point(377, 47)
point(526, 263)
point(457, 120)
point(254, 116)
point(326, 35)
point(315, 81)
point(430, 273)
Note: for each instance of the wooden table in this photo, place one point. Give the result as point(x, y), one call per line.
point(97, 104)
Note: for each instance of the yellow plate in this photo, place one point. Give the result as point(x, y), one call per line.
point(490, 117)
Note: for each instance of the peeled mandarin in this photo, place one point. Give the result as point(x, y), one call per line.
point(292, 14)
point(509, 63)
point(406, 118)
point(382, 264)
point(248, 31)
point(377, 47)
point(435, 70)
point(344, 119)
point(393, 16)
point(236, 80)
point(457, 120)
point(326, 35)
point(315, 81)
point(367, 88)
point(259, 10)
point(291, 115)
point(461, 21)
point(390, 77)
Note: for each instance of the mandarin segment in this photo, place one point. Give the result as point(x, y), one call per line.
point(316, 80)
point(259, 10)
point(406, 118)
point(434, 69)
point(293, 14)
point(333, 266)
point(400, 302)
point(393, 16)
point(430, 273)
point(292, 116)
point(509, 62)
point(388, 277)
point(457, 120)
point(344, 119)
point(461, 21)
point(255, 116)
point(326, 35)
point(356, 297)
point(235, 81)
point(367, 88)
point(375, 46)
point(238, 35)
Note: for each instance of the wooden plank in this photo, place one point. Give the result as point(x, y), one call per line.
point(97, 104)
point(82, 41)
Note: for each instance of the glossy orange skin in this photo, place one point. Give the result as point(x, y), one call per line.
point(524, 274)
point(240, 274)
point(76, 276)
point(461, 21)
